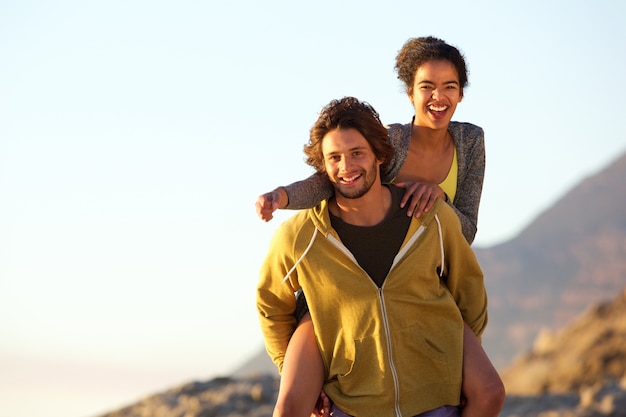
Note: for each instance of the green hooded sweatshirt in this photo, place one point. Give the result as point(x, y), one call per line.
point(394, 350)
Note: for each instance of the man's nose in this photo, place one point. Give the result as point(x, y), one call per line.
point(344, 164)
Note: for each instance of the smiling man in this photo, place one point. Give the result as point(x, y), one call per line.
point(387, 293)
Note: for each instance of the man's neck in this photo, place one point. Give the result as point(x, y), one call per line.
point(368, 210)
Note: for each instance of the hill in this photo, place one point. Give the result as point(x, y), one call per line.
point(569, 257)
point(579, 371)
point(589, 351)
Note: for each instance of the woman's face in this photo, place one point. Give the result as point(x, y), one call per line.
point(436, 92)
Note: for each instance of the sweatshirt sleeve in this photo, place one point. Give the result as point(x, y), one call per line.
point(464, 276)
point(276, 299)
point(399, 137)
point(470, 140)
point(308, 192)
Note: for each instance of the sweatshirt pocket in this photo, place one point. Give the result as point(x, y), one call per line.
point(361, 368)
point(423, 359)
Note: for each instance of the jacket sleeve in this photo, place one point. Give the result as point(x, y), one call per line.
point(470, 140)
point(399, 137)
point(308, 192)
point(465, 278)
point(276, 300)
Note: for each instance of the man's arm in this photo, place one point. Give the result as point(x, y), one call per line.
point(276, 301)
point(465, 278)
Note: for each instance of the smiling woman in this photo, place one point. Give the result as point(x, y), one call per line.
point(432, 152)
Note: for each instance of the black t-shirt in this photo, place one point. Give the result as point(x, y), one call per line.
point(375, 247)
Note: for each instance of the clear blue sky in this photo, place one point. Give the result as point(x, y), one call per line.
point(135, 137)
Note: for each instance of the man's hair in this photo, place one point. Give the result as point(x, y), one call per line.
point(417, 51)
point(348, 113)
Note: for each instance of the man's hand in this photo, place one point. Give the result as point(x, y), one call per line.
point(322, 408)
point(268, 203)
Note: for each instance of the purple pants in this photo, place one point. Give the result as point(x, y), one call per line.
point(445, 411)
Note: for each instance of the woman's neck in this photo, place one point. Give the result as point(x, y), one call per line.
point(431, 139)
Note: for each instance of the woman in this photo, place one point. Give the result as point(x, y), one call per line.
point(435, 158)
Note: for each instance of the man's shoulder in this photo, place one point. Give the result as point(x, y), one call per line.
point(444, 213)
point(294, 224)
point(398, 131)
point(398, 126)
point(395, 190)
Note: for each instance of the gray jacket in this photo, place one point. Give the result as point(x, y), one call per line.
point(469, 141)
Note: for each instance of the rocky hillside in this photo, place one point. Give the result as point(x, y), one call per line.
point(580, 369)
point(591, 349)
point(577, 372)
point(571, 256)
point(252, 396)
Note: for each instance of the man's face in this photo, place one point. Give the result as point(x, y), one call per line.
point(350, 162)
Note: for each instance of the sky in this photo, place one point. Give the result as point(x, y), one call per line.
point(136, 135)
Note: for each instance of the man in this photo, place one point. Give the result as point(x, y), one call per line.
point(387, 293)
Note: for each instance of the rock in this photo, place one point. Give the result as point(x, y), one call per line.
point(252, 396)
point(590, 351)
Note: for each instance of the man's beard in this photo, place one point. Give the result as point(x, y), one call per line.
point(369, 177)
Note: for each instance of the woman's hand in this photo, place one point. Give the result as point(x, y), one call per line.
point(268, 203)
point(420, 196)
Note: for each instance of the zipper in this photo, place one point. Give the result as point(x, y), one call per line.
point(394, 372)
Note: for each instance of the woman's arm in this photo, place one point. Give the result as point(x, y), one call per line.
point(310, 191)
point(298, 195)
point(470, 144)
